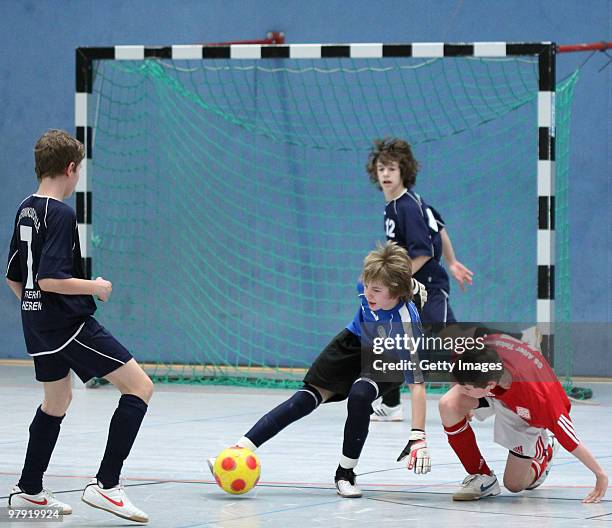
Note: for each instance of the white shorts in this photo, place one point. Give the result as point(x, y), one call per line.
point(512, 432)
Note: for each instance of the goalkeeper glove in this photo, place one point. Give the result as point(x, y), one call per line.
point(419, 293)
point(417, 451)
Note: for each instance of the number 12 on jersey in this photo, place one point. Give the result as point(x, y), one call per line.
point(390, 228)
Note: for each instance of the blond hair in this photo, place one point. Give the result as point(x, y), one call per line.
point(54, 151)
point(390, 265)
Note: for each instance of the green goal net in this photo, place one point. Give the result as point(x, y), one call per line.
point(232, 210)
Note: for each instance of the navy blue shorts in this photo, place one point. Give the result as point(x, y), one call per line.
point(92, 353)
point(437, 308)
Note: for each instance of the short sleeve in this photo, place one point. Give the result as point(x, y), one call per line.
point(438, 218)
point(56, 256)
point(418, 240)
point(563, 428)
point(13, 268)
point(355, 325)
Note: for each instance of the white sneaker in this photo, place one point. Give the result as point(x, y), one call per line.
point(552, 442)
point(346, 484)
point(384, 413)
point(43, 500)
point(113, 500)
point(475, 487)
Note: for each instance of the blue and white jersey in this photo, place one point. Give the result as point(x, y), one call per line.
point(45, 244)
point(416, 226)
point(402, 319)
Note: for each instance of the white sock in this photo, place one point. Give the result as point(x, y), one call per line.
point(246, 444)
point(348, 463)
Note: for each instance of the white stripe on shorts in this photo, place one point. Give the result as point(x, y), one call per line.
point(63, 346)
point(94, 350)
point(445, 305)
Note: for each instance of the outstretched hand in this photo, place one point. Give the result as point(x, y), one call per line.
point(601, 485)
point(461, 274)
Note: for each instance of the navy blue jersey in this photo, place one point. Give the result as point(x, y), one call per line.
point(45, 244)
point(415, 226)
point(399, 320)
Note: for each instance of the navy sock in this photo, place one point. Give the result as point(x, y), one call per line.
point(302, 403)
point(359, 408)
point(44, 431)
point(122, 432)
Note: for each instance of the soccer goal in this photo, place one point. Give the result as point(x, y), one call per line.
point(224, 191)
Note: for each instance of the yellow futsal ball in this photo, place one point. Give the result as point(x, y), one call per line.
point(237, 470)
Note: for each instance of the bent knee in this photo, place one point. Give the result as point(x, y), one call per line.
point(143, 388)
point(146, 389)
point(362, 393)
point(454, 407)
point(445, 403)
point(513, 487)
point(449, 406)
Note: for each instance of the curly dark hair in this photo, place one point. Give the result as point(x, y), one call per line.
point(393, 149)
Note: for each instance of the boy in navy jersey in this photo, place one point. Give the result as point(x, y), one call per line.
point(527, 400)
point(46, 274)
point(420, 229)
point(338, 373)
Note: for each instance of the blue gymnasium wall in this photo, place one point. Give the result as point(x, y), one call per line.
point(38, 39)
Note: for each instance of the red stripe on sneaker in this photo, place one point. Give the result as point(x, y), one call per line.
point(40, 503)
point(116, 503)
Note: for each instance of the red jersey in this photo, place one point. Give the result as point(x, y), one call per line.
point(535, 393)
